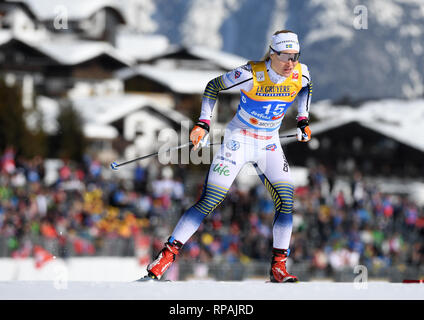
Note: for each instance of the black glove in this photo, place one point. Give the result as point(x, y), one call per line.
point(303, 131)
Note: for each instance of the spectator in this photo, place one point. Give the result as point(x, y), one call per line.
point(336, 224)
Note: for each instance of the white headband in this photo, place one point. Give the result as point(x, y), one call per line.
point(285, 41)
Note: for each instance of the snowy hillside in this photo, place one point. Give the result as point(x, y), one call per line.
point(380, 61)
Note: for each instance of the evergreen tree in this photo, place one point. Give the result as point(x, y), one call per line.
point(69, 142)
point(13, 128)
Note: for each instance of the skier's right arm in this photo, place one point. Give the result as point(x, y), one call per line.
point(240, 77)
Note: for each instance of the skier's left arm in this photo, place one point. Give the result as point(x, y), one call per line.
point(304, 101)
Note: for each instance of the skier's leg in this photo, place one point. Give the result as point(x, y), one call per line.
point(274, 171)
point(222, 172)
point(190, 221)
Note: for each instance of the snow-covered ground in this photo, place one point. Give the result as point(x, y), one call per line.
point(208, 290)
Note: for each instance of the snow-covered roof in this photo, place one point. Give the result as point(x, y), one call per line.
point(398, 119)
point(107, 109)
point(221, 59)
point(74, 9)
point(5, 36)
point(187, 81)
point(100, 111)
point(73, 51)
point(68, 50)
point(100, 131)
point(141, 47)
point(225, 60)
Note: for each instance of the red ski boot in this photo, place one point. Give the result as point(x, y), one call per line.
point(278, 272)
point(163, 260)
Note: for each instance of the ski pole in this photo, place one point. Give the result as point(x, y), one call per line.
point(115, 165)
point(287, 136)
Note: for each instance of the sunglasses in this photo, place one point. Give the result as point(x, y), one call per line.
point(286, 57)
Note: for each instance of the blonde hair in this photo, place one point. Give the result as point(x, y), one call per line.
point(267, 54)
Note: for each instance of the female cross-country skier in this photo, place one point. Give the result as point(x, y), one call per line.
point(267, 89)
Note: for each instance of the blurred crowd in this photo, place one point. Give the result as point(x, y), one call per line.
point(338, 222)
